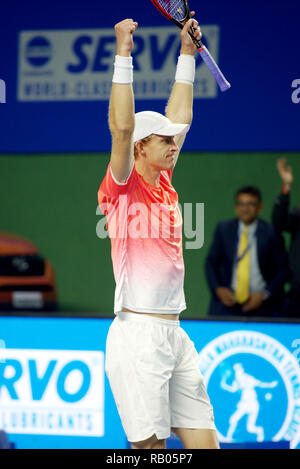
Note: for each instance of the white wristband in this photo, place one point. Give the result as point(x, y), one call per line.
point(185, 71)
point(123, 71)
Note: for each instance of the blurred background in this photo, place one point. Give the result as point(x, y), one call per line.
point(56, 68)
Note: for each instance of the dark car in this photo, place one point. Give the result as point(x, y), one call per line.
point(27, 280)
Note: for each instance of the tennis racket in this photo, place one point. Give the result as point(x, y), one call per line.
point(178, 12)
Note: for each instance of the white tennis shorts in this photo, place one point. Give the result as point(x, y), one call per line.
point(152, 367)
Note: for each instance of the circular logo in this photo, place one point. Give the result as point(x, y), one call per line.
point(254, 384)
point(38, 51)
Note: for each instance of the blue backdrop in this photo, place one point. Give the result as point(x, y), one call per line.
point(256, 44)
point(54, 392)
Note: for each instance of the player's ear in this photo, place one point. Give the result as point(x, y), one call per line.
point(141, 147)
point(138, 148)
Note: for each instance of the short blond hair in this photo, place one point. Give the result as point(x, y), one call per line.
point(143, 140)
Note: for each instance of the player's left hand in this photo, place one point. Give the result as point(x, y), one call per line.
point(187, 45)
point(254, 302)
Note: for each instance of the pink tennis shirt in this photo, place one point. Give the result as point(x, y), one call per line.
point(145, 227)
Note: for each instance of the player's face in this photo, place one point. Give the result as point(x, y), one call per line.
point(247, 208)
point(161, 151)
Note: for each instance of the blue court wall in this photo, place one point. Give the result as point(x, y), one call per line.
point(55, 393)
point(56, 62)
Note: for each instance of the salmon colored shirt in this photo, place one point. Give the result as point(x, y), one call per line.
point(145, 227)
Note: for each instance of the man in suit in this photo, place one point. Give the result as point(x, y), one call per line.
point(247, 265)
point(288, 219)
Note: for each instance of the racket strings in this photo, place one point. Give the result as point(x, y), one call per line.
point(174, 8)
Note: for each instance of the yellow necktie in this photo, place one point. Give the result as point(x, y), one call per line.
point(243, 270)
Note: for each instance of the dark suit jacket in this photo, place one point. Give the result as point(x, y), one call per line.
point(286, 219)
point(272, 260)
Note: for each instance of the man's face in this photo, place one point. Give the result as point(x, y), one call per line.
point(160, 152)
point(247, 207)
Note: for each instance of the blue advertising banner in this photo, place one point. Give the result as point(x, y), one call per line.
point(54, 392)
point(57, 60)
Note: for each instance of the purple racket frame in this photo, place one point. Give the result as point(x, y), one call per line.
point(203, 51)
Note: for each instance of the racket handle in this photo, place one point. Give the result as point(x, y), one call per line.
point(214, 69)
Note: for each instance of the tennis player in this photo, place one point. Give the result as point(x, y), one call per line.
point(151, 363)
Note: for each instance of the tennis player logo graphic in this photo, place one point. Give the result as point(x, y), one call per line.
point(248, 405)
point(254, 384)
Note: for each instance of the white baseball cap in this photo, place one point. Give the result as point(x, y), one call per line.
point(149, 122)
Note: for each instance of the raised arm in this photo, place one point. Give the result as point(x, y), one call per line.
point(180, 106)
point(282, 217)
point(121, 105)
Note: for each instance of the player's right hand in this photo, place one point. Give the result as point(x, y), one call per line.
point(124, 33)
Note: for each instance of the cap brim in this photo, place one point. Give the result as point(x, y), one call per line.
point(173, 130)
